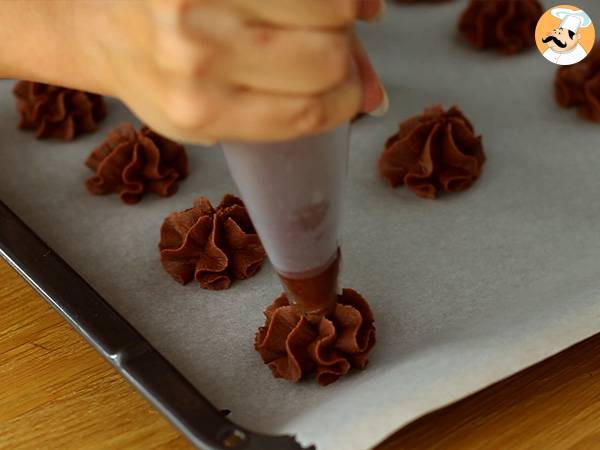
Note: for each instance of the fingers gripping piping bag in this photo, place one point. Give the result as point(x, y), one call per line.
point(293, 191)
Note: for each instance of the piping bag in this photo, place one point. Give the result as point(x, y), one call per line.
point(293, 192)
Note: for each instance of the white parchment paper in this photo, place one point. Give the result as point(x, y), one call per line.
point(466, 289)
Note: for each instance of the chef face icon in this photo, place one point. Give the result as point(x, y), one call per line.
point(561, 40)
point(565, 35)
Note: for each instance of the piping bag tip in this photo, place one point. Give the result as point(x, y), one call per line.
point(293, 192)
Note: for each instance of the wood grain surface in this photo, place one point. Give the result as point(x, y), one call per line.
point(56, 392)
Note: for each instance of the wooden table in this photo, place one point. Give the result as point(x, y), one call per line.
point(57, 392)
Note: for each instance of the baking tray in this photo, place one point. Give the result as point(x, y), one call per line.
point(466, 290)
point(120, 344)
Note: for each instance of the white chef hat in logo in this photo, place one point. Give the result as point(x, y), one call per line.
point(571, 20)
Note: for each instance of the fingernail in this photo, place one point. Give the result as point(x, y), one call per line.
point(380, 12)
point(383, 107)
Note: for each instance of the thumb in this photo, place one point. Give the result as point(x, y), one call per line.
point(375, 100)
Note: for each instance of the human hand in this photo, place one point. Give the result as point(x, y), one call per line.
point(205, 70)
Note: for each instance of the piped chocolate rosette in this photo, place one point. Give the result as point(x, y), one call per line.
point(130, 163)
point(211, 245)
point(432, 152)
point(57, 112)
point(505, 25)
point(311, 328)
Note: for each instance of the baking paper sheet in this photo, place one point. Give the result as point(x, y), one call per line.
point(466, 289)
